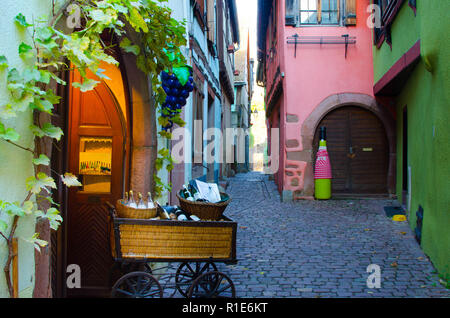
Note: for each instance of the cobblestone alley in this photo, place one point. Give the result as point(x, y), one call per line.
point(321, 249)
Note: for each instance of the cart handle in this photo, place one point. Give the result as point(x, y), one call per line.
point(112, 209)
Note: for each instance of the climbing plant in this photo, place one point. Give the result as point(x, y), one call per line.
point(144, 28)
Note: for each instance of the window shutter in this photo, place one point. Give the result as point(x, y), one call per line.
point(350, 12)
point(291, 12)
point(201, 5)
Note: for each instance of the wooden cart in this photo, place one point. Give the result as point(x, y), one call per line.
point(197, 246)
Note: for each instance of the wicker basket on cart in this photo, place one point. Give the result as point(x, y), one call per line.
point(126, 212)
point(205, 210)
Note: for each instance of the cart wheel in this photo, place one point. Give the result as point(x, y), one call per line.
point(186, 274)
point(137, 285)
point(212, 285)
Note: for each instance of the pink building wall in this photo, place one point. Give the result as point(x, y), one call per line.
point(316, 73)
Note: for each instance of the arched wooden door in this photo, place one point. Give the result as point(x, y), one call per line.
point(358, 150)
point(96, 155)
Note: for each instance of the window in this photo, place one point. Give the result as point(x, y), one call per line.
point(319, 12)
point(197, 117)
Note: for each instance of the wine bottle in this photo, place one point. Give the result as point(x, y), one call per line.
point(181, 215)
point(141, 204)
point(165, 215)
point(150, 204)
point(194, 192)
point(187, 194)
point(131, 202)
point(125, 200)
point(173, 216)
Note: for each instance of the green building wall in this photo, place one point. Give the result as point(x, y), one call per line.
point(426, 95)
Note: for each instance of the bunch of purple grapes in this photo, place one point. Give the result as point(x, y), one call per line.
point(176, 96)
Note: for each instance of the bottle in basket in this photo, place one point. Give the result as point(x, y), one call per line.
point(187, 194)
point(125, 199)
point(194, 192)
point(165, 215)
point(141, 204)
point(150, 204)
point(131, 202)
point(181, 215)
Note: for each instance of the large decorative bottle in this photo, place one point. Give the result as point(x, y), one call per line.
point(322, 171)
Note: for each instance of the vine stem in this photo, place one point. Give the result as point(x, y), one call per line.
point(21, 147)
point(9, 241)
point(60, 12)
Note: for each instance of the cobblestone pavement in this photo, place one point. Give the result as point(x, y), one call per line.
point(321, 249)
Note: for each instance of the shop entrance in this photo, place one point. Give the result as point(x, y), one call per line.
point(358, 150)
point(96, 152)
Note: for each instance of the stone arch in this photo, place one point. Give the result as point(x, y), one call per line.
point(335, 101)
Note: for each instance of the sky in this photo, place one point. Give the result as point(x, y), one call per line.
point(247, 15)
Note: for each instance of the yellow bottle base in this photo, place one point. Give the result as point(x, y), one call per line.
point(323, 189)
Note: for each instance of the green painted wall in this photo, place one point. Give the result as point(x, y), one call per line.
point(426, 95)
point(15, 164)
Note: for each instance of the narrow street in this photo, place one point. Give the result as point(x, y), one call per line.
point(321, 249)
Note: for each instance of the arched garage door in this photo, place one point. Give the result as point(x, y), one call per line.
point(358, 149)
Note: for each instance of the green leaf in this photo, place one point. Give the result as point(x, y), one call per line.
point(14, 76)
point(27, 207)
point(3, 62)
point(53, 216)
point(42, 160)
point(57, 79)
point(182, 73)
point(16, 90)
point(137, 21)
point(100, 74)
point(31, 74)
point(70, 180)
point(14, 209)
point(52, 131)
point(43, 105)
point(52, 97)
point(3, 226)
point(44, 34)
point(25, 51)
point(101, 16)
point(38, 243)
point(127, 46)
point(21, 20)
point(87, 85)
point(42, 182)
point(8, 133)
point(45, 76)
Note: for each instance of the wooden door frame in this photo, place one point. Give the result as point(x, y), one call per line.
point(61, 235)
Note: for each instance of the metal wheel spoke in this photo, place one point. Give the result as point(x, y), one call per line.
point(223, 289)
point(124, 292)
point(190, 268)
point(132, 286)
